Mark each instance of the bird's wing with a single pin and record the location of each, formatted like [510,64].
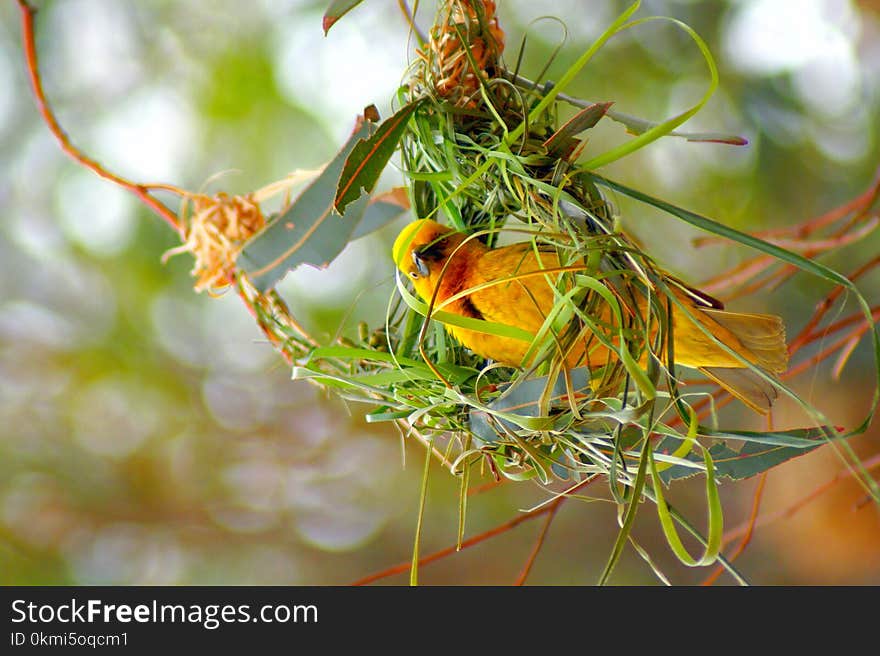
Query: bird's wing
[510,288]
[746,385]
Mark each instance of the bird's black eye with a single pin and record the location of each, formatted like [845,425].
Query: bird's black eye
[414,275]
[421,266]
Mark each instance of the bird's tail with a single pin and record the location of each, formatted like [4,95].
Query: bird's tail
[763,337]
[745,384]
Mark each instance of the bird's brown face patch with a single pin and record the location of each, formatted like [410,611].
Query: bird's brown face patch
[434,251]
[429,258]
[421,265]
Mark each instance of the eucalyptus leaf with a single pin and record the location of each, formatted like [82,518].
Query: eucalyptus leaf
[562,142]
[310,231]
[382,209]
[753,458]
[336,10]
[369,157]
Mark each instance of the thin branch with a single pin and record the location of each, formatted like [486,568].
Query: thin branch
[485,487]
[477,539]
[139,190]
[448,551]
[859,205]
[857,318]
[409,16]
[859,210]
[539,543]
[825,305]
[798,505]
[819,357]
[738,275]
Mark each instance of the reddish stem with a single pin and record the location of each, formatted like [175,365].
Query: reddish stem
[825,305]
[448,551]
[816,359]
[485,487]
[477,539]
[738,274]
[521,579]
[860,205]
[788,512]
[794,239]
[139,190]
[855,318]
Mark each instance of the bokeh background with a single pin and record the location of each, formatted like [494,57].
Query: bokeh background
[149,435]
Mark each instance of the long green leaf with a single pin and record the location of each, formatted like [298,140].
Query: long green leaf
[716,520]
[309,231]
[630,516]
[664,128]
[381,210]
[711,226]
[336,10]
[572,72]
[368,158]
[423,496]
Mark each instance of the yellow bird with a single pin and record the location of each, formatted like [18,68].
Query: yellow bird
[432,255]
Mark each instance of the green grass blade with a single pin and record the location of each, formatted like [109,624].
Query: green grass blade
[573,70]
[629,518]
[716,519]
[423,496]
[478,325]
[666,127]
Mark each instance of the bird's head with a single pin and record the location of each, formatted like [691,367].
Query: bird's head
[420,251]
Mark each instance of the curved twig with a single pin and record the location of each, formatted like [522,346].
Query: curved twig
[139,190]
[477,539]
[539,543]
